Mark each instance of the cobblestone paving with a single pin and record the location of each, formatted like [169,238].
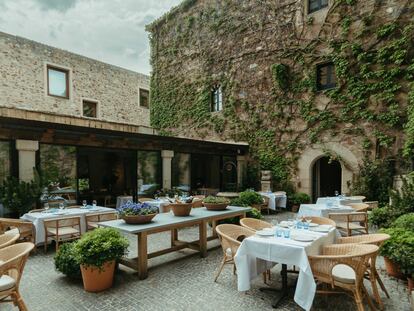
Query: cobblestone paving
[178,281]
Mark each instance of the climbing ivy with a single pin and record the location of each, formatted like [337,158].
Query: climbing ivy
[373,64]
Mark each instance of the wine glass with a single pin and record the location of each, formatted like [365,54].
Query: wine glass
[84,203]
[94,203]
[274,222]
[61,206]
[336,193]
[46,206]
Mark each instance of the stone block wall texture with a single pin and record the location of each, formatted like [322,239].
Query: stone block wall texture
[235,44]
[23,86]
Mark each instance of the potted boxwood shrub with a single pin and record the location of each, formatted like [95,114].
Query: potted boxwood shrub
[97,252]
[298,199]
[65,261]
[215,203]
[137,213]
[251,198]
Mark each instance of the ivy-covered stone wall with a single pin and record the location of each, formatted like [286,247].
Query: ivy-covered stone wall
[264,55]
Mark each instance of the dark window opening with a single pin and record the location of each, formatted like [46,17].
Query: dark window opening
[326,76]
[90,109]
[144,98]
[316,5]
[216,98]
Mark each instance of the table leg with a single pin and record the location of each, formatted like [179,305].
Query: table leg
[142,256]
[284,292]
[213,226]
[203,238]
[174,236]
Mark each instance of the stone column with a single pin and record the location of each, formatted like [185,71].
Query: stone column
[266,181]
[27,158]
[166,156]
[241,169]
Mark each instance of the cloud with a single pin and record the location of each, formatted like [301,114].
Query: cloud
[112,31]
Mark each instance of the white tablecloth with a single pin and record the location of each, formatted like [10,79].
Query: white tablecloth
[337,200]
[322,210]
[284,251]
[38,218]
[120,200]
[275,199]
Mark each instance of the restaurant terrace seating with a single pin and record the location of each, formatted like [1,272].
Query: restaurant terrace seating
[254,224]
[359,207]
[61,229]
[350,223]
[7,239]
[12,261]
[92,220]
[322,221]
[344,266]
[25,229]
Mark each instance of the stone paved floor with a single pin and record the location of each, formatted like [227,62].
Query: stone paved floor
[177,281]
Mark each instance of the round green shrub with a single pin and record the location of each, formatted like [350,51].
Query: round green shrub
[383,216]
[300,198]
[250,197]
[65,261]
[405,221]
[99,246]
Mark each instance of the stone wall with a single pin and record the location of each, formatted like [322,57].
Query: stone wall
[239,45]
[23,82]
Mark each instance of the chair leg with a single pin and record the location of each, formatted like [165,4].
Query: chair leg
[19,301]
[45,246]
[378,278]
[220,269]
[234,269]
[373,280]
[371,305]
[358,300]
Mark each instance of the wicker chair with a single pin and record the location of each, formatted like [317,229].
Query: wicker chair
[371,205]
[343,266]
[322,221]
[8,239]
[62,229]
[108,202]
[254,224]
[230,238]
[350,222]
[142,200]
[92,220]
[265,205]
[25,229]
[371,274]
[12,261]
[357,197]
[359,207]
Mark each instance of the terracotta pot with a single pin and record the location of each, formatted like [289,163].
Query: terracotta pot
[410,284]
[181,209]
[393,269]
[96,280]
[216,206]
[138,219]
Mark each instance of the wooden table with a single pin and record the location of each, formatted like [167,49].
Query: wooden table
[168,222]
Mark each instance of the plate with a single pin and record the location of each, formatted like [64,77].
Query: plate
[285,224]
[265,233]
[312,224]
[322,228]
[303,238]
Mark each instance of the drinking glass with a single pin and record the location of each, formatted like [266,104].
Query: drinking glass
[336,193]
[279,232]
[286,234]
[61,206]
[306,225]
[94,203]
[84,203]
[274,222]
[46,206]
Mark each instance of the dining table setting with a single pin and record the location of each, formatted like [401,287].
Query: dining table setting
[326,205]
[287,243]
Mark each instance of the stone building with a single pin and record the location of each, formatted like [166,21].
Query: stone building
[314,86]
[85,126]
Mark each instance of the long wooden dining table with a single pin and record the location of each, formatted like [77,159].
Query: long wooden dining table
[168,222]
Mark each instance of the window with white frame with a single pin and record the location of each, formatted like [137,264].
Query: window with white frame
[216,98]
[57,82]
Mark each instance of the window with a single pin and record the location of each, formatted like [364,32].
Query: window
[57,82]
[89,109]
[144,98]
[316,5]
[216,98]
[326,77]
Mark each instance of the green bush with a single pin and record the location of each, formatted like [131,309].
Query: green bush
[254,213]
[300,198]
[250,198]
[215,200]
[405,222]
[238,202]
[383,217]
[65,261]
[400,248]
[99,246]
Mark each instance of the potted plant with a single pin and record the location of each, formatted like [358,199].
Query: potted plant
[65,261]
[397,251]
[251,198]
[215,203]
[137,213]
[181,208]
[297,199]
[97,252]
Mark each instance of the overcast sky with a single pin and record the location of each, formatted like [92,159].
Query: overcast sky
[112,31]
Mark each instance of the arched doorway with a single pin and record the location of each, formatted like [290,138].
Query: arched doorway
[326,177]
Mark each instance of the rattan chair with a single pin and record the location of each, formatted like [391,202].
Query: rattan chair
[359,207]
[62,229]
[254,224]
[372,274]
[371,205]
[142,200]
[322,221]
[343,266]
[92,220]
[12,261]
[25,229]
[348,223]
[230,238]
[357,197]
[8,239]
[265,205]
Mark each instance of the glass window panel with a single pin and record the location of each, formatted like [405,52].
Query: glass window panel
[144,98]
[89,109]
[57,82]
[149,173]
[326,76]
[181,173]
[5,160]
